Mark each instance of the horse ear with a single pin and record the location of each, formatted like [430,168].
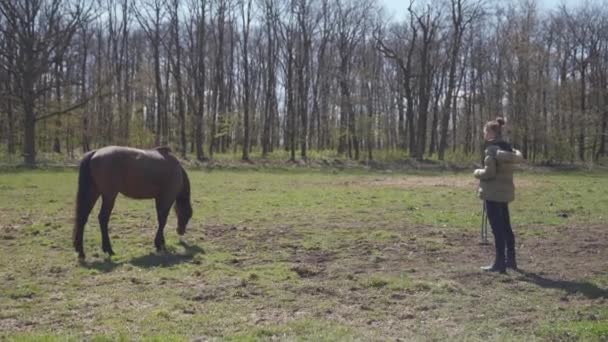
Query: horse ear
[164,150]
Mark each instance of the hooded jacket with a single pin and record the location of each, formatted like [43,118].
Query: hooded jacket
[496,178]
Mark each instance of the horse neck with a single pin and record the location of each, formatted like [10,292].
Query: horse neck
[184,194]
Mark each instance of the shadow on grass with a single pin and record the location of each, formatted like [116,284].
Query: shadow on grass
[167,259]
[587,289]
[105,266]
[164,259]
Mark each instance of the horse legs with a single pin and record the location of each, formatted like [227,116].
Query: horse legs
[162,212]
[104,217]
[82,219]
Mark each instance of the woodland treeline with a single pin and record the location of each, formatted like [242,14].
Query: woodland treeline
[218,76]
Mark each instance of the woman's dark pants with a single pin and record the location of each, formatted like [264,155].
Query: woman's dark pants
[498,214]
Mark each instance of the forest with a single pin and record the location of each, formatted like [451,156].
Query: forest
[253,77]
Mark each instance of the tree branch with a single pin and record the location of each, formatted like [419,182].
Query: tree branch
[69,109]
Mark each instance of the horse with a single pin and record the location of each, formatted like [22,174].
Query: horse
[137,174]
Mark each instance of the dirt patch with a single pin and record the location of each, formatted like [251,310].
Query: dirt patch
[424,278]
[316,290]
[425,182]
[313,256]
[441,283]
[310,263]
[573,253]
[306,271]
[220,230]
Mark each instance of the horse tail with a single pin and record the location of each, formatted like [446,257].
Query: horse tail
[83,201]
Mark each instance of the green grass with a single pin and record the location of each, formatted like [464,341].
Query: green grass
[309,329]
[588,325]
[299,254]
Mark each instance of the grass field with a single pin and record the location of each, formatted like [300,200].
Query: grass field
[307,255]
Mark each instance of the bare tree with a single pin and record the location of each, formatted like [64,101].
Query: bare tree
[150,15]
[428,23]
[175,58]
[322,78]
[6,87]
[400,36]
[198,72]
[350,20]
[43,31]
[270,99]
[218,101]
[287,32]
[462,14]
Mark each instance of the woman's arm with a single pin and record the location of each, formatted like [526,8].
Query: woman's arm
[489,170]
[509,157]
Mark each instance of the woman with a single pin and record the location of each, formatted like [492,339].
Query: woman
[496,188]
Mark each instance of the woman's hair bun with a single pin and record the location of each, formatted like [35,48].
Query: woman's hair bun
[501,121]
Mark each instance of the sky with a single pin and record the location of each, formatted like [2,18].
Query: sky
[396,8]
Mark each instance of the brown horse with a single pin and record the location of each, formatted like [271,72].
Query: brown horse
[136,174]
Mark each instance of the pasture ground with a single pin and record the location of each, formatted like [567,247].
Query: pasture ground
[307,255]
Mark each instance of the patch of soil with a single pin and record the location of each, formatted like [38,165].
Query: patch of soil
[573,253]
[313,256]
[306,271]
[220,230]
[316,290]
[557,270]
[415,182]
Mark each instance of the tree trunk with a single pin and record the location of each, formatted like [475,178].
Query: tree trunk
[8,87]
[303,74]
[160,139]
[582,119]
[246,20]
[270,85]
[291,113]
[345,108]
[218,92]
[437,94]
[401,132]
[177,75]
[423,102]
[445,117]
[29,130]
[199,133]
[604,115]
[370,121]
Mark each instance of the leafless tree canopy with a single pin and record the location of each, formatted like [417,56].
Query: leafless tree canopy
[259,76]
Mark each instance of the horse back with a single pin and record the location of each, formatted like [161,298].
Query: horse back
[137,173]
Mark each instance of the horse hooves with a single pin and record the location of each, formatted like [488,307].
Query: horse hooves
[108,250]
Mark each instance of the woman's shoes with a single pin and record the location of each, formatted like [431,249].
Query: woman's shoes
[495,268]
